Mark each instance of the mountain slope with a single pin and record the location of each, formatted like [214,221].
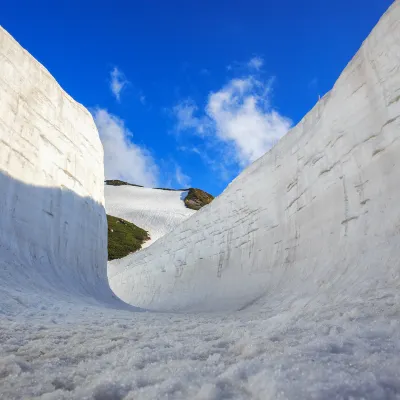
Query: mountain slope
[124,237]
[154,210]
[158,211]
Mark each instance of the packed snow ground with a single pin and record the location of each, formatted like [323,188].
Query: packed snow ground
[346,350]
[155,210]
[322,328]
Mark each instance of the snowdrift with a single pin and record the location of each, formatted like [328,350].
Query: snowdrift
[154,210]
[317,216]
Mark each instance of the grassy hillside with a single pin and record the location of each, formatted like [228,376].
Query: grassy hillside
[197,199]
[124,237]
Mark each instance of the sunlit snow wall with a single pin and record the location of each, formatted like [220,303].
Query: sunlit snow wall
[318,217]
[52,218]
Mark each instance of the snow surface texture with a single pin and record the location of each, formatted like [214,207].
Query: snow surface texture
[157,211]
[319,316]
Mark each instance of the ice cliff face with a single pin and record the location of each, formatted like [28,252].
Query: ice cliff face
[52,218]
[316,217]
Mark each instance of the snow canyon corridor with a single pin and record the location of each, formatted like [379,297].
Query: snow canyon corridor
[285,287]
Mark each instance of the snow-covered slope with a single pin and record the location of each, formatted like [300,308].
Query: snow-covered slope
[155,210]
[302,251]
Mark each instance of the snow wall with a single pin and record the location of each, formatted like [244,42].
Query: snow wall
[317,217]
[53,233]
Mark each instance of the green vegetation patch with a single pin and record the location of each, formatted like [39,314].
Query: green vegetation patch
[197,198]
[117,182]
[170,190]
[124,237]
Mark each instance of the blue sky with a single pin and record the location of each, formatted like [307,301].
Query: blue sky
[187,93]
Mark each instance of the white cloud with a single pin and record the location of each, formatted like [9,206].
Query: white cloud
[242,116]
[124,159]
[186,119]
[238,124]
[118,82]
[256,63]
[182,179]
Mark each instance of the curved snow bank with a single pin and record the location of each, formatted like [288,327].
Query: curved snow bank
[52,218]
[317,217]
[154,210]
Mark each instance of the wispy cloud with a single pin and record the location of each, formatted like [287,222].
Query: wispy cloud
[238,123]
[182,179]
[123,159]
[252,66]
[216,156]
[187,120]
[256,63]
[142,99]
[118,82]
